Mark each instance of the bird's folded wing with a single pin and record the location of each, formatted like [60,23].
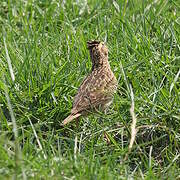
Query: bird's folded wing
[92,101]
[95,90]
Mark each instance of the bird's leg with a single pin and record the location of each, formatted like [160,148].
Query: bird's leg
[77,123]
[104,132]
[106,138]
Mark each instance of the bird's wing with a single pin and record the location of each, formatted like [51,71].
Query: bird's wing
[94,91]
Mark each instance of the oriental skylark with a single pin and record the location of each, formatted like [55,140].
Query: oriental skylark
[97,90]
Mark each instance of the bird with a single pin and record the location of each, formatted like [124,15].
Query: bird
[98,88]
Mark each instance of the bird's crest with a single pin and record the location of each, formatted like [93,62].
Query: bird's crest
[93,43]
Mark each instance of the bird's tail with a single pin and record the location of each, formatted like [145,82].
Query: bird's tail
[70,118]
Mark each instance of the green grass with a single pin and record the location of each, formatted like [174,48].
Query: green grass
[45,42]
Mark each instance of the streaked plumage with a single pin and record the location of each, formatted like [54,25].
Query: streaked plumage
[97,90]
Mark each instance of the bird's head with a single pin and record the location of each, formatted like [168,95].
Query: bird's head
[98,52]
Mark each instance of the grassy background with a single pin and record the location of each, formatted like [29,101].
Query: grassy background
[45,41]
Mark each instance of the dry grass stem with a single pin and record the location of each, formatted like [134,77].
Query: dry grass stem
[133,125]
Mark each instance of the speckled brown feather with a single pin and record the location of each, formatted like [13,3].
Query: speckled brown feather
[97,89]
